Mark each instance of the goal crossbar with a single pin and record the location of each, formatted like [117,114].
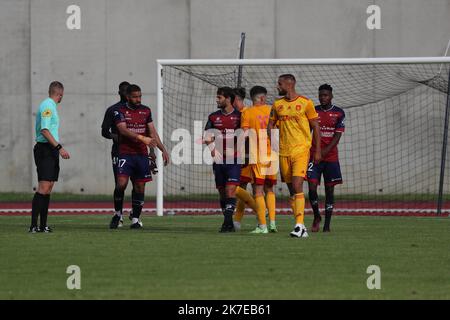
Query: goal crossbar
[225,62]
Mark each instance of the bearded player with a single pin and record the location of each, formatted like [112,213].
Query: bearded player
[220,138]
[295,116]
[136,132]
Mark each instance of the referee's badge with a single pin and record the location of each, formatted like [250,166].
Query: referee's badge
[47,113]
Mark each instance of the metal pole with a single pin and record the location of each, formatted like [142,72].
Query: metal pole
[241,56]
[159,159]
[444,150]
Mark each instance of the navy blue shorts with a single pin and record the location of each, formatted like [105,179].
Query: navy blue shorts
[331,173]
[136,167]
[226,174]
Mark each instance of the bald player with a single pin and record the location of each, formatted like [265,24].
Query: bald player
[295,116]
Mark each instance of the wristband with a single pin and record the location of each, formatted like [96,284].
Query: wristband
[58,147]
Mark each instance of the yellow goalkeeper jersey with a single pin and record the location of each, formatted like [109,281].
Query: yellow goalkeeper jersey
[293,121]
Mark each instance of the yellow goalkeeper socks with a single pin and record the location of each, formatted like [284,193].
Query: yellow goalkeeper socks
[261,210]
[240,208]
[270,203]
[247,198]
[299,205]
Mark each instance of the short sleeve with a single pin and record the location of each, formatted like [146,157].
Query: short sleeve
[118,116]
[46,117]
[209,124]
[340,125]
[310,111]
[149,118]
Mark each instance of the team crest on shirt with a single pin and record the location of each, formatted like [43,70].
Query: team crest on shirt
[47,113]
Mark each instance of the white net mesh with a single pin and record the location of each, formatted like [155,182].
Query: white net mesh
[390,154]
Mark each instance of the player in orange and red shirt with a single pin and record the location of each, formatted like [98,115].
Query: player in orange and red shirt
[331,122]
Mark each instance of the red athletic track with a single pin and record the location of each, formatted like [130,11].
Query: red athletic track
[358,208]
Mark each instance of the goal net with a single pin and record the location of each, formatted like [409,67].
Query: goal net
[391,153]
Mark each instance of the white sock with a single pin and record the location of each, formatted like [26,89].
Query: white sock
[135,220]
[300,225]
[118,213]
[263,226]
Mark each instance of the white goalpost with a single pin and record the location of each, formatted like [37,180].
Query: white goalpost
[386,166]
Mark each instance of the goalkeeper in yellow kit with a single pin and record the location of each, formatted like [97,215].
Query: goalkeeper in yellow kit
[295,116]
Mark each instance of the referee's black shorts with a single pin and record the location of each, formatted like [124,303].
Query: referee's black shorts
[46,159]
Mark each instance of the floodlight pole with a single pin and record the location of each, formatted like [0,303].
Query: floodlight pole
[444,150]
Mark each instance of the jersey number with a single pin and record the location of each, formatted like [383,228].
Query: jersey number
[122,162]
[263,121]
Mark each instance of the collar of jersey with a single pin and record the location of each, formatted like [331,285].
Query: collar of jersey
[291,99]
[227,114]
[332,106]
[53,102]
[131,108]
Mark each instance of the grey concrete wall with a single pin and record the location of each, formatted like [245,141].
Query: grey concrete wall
[15,115]
[121,40]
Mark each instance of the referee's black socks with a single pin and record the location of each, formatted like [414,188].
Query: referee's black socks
[39,206]
[44,212]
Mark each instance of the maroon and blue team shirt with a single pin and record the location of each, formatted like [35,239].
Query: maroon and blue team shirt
[137,120]
[330,121]
[224,122]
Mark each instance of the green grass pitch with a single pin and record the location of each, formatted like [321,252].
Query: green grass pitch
[184,257]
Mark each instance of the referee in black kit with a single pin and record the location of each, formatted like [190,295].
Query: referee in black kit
[46,155]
